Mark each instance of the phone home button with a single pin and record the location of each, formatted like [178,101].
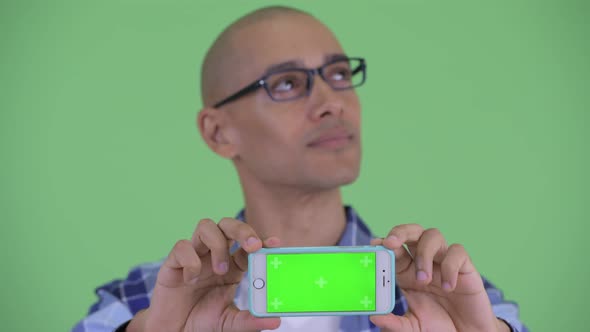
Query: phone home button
[258,283]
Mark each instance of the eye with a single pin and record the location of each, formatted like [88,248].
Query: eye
[284,85]
[340,74]
[287,82]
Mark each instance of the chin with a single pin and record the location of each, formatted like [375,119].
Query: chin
[349,179]
[336,171]
[337,179]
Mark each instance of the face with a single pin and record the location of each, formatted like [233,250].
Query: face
[311,143]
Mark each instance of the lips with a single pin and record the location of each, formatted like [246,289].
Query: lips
[332,138]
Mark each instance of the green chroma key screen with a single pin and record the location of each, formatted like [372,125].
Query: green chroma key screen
[320,282]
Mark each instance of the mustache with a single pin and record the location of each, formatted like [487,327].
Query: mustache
[329,125]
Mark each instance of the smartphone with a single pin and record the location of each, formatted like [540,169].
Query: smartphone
[317,281]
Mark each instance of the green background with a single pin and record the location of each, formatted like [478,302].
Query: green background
[293,282]
[475,122]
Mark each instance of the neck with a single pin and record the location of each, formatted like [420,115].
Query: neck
[296,217]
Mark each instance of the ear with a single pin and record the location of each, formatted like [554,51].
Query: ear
[214,129]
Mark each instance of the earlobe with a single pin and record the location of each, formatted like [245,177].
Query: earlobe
[212,126]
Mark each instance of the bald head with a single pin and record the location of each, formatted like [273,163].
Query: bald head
[274,143]
[227,55]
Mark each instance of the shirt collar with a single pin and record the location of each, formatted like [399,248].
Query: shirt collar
[356,233]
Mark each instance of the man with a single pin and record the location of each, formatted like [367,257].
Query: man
[279,102]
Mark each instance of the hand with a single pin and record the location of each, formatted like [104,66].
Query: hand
[196,284]
[443,289]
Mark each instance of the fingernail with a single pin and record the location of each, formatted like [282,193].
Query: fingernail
[251,241]
[222,267]
[446,286]
[393,238]
[194,280]
[421,275]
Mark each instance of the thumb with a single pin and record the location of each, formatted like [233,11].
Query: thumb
[392,323]
[243,320]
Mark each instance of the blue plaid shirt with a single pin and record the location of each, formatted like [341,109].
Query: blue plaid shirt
[119,300]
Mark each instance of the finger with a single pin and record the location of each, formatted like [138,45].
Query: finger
[392,323]
[208,237]
[200,247]
[404,234]
[240,231]
[245,321]
[395,240]
[240,257]
[432,243]
[403,259]
[376,241]
[456,261]
[272,242]
[182,258]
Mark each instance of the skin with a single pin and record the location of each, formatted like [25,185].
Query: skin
[289,188]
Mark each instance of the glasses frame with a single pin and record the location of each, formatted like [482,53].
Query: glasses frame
[261,82]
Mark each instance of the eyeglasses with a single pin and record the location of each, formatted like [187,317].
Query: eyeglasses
[294,83]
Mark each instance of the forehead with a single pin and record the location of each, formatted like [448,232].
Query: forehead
[266,43]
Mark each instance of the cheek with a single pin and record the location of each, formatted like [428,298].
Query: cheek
[268,141]
[270,155]
[269,127]
[353,116]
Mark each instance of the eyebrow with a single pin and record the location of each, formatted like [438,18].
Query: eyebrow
[284,65]
[334,57]
[291,64]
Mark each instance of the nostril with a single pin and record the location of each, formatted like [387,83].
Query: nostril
[325,113]
[323,108]
[331,111]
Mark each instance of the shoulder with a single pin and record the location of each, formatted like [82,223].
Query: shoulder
[134,291]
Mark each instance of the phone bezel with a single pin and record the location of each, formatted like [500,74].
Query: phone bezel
[385,295]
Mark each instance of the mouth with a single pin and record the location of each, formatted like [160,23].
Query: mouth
[332,139]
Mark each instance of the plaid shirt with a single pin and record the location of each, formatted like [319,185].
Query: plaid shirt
[120,300]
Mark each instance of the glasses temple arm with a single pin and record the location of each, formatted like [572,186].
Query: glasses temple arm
[252,87]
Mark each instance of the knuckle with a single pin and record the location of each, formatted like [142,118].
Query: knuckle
[457,247]
[415,225]
[226,222]
[235,229]
[181,245]
[399,229]
[407,229]
[438,239]
[205,223]
[433,232]
[213,239]
[396,228]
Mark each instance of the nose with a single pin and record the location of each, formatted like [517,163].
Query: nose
[324,101]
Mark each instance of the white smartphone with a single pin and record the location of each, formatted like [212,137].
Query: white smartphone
[316,281]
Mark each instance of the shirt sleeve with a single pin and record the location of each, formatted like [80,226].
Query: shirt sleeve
[105,315]
[505,310]
[119,300]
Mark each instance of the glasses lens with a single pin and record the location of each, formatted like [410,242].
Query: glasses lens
[287,85]
[344,74]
